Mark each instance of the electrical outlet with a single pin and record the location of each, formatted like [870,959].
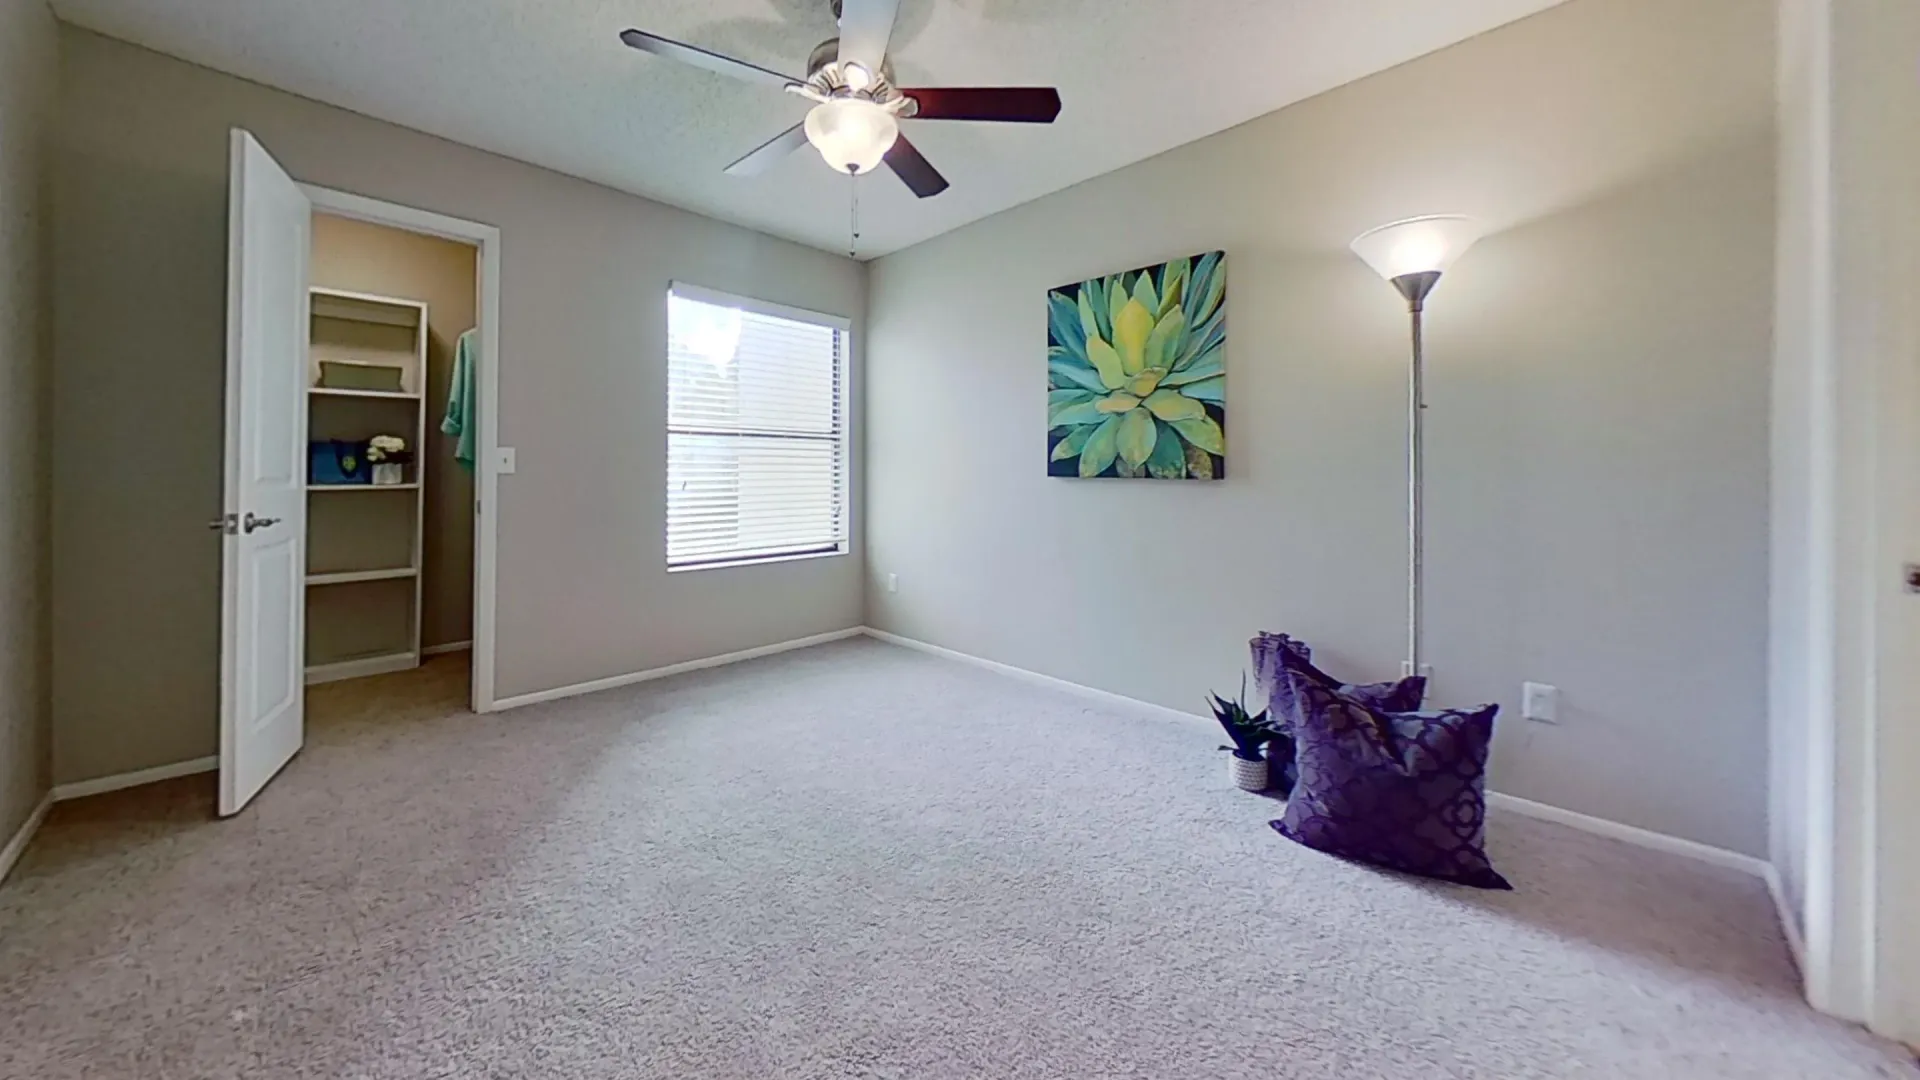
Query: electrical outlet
[1426,672]
[893,582]
[1541,702]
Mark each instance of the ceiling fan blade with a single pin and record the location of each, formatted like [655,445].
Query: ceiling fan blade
[703,59]
[1006,104]
[770,153]
[865,27]
[918,173]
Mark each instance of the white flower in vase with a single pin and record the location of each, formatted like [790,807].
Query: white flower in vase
[385,448]
[389,456]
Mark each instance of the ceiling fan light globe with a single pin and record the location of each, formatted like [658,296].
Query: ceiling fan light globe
[852,134]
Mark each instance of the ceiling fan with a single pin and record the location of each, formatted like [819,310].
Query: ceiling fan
[855,119]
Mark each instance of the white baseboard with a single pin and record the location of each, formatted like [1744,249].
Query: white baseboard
[102,784]
[18,844]
[355,669]
[616,681]
[1630,834]
[449,647]
[1627,833]
[1079,689]
[1789,923]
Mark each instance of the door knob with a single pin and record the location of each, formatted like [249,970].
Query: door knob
[251,523]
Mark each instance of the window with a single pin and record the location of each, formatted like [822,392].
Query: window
[756,431]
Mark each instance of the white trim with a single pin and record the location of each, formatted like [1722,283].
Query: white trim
[21,836]
[1627,833]
[449,647]
[759,560]
[486,539]
[615,681]
[1105,696]
[100,785]
[721,298]
[1789,926]
[366,665]
[1630,834]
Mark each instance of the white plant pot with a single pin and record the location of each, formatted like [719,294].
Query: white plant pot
[1247,775]
[389,474]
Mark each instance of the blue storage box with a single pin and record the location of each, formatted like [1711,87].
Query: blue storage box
[338,461]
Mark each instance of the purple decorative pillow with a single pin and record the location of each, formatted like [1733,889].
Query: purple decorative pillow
[1276,654]
[1405,791]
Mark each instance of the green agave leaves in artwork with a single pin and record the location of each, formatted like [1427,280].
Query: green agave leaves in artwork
[1134,361]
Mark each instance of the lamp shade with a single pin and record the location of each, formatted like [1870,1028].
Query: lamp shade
[1418,245]
[853,134]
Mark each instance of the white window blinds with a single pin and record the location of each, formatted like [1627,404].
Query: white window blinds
[756,431]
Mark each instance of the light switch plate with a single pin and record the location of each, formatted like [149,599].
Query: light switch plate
[1539,701]
[503,460]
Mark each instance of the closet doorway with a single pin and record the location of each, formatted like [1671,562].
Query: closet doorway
[398,567]
[347,363]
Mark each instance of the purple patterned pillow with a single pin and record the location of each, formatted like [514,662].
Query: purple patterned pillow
[1276,654]
[1405,791]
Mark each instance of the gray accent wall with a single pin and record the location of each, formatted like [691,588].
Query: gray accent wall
[1598,424]
[28,62]
[138,401]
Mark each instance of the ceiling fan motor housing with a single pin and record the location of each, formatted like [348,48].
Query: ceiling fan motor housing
[826,55]
[826,80]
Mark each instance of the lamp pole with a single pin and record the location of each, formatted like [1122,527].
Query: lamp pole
[1415,288]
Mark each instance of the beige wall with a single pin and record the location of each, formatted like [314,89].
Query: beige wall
[1598,430]
[362,257]
[583,588]
[28,56]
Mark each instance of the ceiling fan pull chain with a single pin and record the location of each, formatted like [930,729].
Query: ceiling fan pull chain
[853,225]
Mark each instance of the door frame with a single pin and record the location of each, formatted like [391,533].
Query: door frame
[486,459]
[1878,49]
[1843,667]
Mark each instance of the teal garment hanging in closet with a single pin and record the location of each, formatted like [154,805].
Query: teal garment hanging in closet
[461,405]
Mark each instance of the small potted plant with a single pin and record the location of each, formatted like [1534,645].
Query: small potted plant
[1246,767]
[389,456]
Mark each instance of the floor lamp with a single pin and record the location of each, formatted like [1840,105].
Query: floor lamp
[1411,255]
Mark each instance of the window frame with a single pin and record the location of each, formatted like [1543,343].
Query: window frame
[843,421]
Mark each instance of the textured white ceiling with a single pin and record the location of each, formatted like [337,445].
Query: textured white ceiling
[550,83]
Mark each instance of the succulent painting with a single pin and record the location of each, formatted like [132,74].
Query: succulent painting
[1136,373]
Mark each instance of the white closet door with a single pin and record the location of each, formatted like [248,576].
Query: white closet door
[263,566]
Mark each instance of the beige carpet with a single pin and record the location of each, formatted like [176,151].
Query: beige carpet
[854,861]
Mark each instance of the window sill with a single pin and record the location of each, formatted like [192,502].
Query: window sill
[758,560]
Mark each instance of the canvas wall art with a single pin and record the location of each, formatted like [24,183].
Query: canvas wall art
[1137,373]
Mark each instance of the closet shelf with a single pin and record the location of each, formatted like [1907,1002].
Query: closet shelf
[350,577]
[363,487]
[397,395]
[365,307]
